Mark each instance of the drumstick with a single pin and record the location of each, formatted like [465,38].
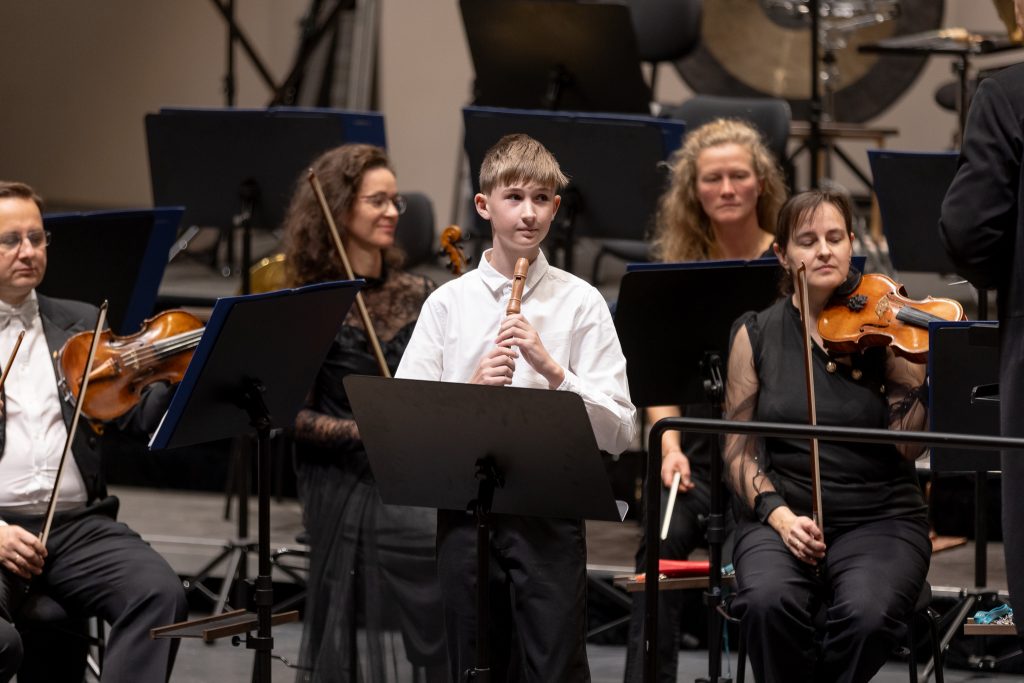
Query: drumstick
[671,504]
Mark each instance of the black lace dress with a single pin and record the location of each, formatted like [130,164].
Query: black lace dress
[372,566]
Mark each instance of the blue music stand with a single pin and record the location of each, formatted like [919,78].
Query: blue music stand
[613,162]
[250,373]
[129,246]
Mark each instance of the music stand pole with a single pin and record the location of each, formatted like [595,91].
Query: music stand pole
[263,594]
[229,74]
[490,477]
[814,140]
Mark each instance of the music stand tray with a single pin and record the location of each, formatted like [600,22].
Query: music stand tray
[132,246]
[251,372]
[602,200]
[506,450]
[578,57]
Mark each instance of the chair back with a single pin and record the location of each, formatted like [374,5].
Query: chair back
[415,233]
[666,30]
[771,116]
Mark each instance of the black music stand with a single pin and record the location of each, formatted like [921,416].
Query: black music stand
[602,200]
[910,187]
[551,469]
[678,357]
[577,57]
[251,373]
[963,367]
[239,167]
[130,246]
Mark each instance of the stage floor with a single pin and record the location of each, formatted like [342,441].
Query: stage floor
[189,529]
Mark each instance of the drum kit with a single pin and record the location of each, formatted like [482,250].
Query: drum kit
[763,48]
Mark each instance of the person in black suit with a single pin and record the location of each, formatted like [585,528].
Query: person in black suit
[982,227]
[92,564]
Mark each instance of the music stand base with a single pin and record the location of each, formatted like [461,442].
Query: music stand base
[233,554]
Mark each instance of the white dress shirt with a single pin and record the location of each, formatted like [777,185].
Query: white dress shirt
[35,429]
[459,323]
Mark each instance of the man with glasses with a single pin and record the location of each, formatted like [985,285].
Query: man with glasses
[92,565]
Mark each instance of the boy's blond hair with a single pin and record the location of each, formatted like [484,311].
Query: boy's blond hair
[517,159]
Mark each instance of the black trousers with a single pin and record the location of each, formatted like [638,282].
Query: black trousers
[98,566]
[538,596]
[868,585]
[686,532]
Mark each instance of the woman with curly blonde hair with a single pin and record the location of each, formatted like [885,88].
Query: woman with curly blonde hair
[725,195]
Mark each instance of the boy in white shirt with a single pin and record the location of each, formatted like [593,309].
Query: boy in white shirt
[563,339]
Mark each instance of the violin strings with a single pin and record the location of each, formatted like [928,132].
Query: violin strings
[162,349]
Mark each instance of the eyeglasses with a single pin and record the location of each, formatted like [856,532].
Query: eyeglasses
[380,202]
[11,241]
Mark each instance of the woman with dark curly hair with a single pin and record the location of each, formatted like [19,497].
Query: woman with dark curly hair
[366,557]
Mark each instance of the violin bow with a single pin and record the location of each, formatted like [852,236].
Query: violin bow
[318,190]
[51,508]
[812,411]
[10,361]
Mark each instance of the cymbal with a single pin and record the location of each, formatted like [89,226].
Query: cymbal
[748,50]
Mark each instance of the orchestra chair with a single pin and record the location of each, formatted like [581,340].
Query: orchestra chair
[771,116]
[921,613]
[415,234]
[666,30]
[41,620]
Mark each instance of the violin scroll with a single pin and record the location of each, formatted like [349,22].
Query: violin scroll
[451,247]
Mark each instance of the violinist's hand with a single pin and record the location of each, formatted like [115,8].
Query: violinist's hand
[672,462]
[21,552]
[800,534]
[517,331]
[496,367]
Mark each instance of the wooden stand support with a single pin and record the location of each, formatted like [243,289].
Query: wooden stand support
[220,625]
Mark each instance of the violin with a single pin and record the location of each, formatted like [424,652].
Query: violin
[124,366]
[451,246]
[878,312]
